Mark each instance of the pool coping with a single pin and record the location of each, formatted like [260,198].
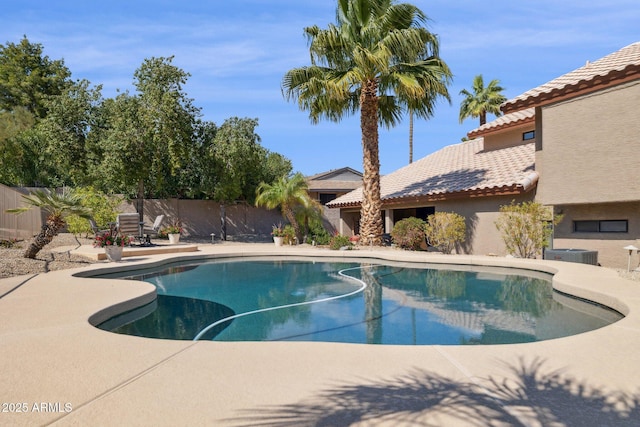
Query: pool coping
[70,373]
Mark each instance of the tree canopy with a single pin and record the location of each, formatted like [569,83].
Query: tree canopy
[150,142]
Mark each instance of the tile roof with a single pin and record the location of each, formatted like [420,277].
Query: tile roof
[507,120]
[333,185]
[619,65]
[339,180]
[457,169]
[334,172]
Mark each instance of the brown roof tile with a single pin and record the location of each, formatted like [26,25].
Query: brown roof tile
[618,66]
[456,169]
[508,120]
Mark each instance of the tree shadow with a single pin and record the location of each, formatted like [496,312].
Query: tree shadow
[451,182]
[531,395]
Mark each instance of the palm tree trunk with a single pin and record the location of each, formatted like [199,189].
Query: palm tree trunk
[291,217]
[223,222]
[410,136]
[370,212]
[48,231]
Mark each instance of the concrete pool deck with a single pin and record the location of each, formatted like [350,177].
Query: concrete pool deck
[57,369]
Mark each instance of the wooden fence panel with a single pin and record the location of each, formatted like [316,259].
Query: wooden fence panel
[21,226]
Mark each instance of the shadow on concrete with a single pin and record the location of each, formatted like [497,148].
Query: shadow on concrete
[530,395]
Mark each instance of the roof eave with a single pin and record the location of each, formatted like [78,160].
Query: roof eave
[477,133]
[583,87]
[507,190]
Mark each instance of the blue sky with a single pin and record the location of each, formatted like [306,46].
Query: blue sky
[237,52]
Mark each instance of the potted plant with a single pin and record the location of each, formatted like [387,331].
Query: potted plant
[278,234]
[112,242]
[173,232]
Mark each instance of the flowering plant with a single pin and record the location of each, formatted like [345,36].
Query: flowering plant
[277,231]
[172,229]
[111,238]
[175,228]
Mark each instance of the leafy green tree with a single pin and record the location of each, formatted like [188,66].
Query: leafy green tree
[274,165]
[524,228]
[198,176]
[376,49]
[482,100]
[13,152]
[66,128]
[445,230]
[103,207]
[151,134]
[28,82]
[236,155]
[28,78]
[57,206]
[122,157]
[286,193]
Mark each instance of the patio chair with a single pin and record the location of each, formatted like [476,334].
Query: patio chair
[94,227]
[128,224]
[155,228]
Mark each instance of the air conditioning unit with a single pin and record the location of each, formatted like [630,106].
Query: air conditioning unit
[583,256]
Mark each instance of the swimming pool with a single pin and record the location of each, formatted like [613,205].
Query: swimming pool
[356,301]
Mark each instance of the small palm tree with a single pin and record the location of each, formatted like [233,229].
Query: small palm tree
[308,215]
[57,207]
[483,100]
[286,193]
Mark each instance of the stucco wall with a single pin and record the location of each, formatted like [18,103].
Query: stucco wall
[202,217]
[590,148]
[507,138]
[608,245]
[481,215]
[483,238]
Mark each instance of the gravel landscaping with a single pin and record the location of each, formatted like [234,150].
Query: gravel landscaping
[54,256]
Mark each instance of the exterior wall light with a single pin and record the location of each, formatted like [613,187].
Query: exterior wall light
[630,248]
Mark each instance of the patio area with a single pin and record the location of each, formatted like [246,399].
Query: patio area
[57,369]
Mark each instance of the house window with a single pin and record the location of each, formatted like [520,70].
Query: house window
[526,136]
[327,197]
[603,226]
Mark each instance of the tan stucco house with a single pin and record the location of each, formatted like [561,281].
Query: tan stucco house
[326,186]
[572,143]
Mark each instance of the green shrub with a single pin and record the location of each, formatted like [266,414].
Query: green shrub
[320,234]
[104,210]
[408,233]
[289,235]
[525,228]
[445,230]
[339,241]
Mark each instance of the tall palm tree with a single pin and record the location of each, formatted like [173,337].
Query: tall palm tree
[57,206]
[377,59]
[483,100]
[286,193]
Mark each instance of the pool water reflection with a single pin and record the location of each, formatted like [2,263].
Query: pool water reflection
[401,303]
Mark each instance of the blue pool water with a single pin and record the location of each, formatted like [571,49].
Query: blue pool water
[356,302]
